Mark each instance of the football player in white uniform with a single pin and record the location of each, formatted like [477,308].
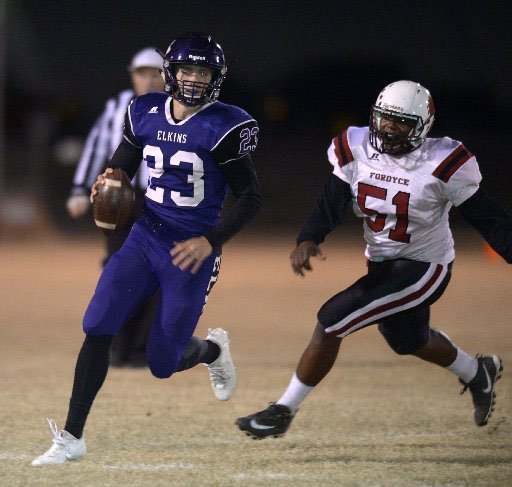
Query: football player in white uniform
[402,184]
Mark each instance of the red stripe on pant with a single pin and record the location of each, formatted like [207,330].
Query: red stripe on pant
[390,306]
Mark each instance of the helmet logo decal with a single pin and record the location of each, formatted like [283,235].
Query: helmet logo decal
[396,108]
[196,58]
[430,108]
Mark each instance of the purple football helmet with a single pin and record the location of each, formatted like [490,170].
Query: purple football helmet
[197,49]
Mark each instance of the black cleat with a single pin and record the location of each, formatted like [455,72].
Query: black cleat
[482,387]
[273,421]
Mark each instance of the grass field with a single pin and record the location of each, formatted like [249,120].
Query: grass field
[377,420]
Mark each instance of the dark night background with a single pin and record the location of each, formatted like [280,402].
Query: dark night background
[304,69]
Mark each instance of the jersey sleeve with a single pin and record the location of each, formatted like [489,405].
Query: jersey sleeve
[130,125]
[340,156]
[237,142]
[231,153]
[460,173]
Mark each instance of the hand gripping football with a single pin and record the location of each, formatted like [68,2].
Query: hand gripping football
[113,203]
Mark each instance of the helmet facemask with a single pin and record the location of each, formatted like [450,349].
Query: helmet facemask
[192,93]
[394,133]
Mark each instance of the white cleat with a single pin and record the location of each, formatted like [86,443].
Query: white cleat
[65,448]
[222,370]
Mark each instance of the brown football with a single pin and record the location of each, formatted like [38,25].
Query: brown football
[113,204]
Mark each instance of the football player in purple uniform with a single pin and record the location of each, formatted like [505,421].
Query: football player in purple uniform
[402,184]
[195,148]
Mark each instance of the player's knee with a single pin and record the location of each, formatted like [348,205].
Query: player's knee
[403,343]
[94,328]
[325,316]
[97,319]
[90,327]
[160,370]
[160,373]
[99,342]
[402,348]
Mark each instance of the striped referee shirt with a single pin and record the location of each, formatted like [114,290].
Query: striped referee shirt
[101,143]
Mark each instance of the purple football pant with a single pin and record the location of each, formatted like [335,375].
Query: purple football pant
[131,276]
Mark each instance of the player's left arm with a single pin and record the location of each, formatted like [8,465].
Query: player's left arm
[461,177]
[490,220]
[233,157]
[242,180]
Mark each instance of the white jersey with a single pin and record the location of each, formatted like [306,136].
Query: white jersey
[405,200]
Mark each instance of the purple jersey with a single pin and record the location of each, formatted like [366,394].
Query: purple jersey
[191,164]
[186,186]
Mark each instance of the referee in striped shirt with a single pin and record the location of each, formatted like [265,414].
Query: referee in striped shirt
[103,139]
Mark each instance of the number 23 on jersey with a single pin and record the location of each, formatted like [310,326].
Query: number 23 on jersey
[195,177]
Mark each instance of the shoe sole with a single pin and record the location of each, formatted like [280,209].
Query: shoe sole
[256,437]
[250,435]
[46,464]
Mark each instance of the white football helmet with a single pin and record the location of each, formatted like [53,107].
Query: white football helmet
[407,104]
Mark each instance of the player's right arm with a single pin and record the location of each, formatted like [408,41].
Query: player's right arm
[327,214]
[129,154]
[127,157]
[299,258]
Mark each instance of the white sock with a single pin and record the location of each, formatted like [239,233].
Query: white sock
[464,366]
[295,394]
